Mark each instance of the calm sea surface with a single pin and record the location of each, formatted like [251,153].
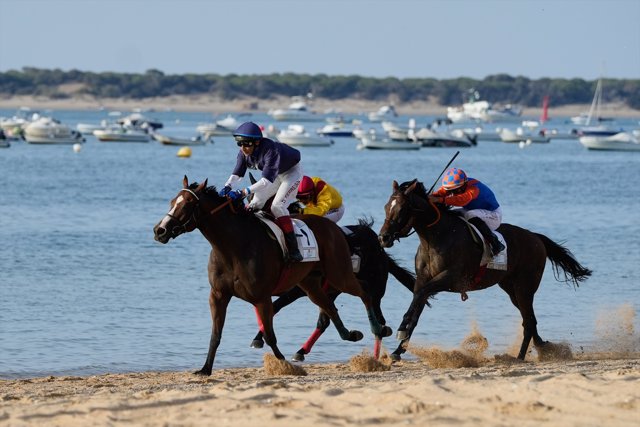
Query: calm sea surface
[84,288]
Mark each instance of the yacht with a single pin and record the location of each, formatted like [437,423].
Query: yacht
[296,112]
[622,141]
[121,134]
[47,130]
[296,135]
[384,113]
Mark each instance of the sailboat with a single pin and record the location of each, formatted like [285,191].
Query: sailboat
[590,128]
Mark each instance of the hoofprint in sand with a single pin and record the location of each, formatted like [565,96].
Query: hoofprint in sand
[585,390]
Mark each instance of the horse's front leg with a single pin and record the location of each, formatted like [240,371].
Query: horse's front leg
[218,303]
[421,294]
[265,311]
[281,302]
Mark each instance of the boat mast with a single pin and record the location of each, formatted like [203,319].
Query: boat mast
[595,104]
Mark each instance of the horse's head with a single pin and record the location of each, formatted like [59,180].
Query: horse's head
[183,210]
[407,199]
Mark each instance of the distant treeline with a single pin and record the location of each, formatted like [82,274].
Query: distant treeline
[499,88]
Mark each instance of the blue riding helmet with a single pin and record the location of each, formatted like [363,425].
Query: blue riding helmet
[248,130]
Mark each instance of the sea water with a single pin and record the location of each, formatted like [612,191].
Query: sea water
[85,289]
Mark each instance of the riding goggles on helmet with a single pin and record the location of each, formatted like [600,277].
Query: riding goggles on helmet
[245,141]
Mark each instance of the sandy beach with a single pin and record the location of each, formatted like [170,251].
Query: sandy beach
[214,105]
[589,390]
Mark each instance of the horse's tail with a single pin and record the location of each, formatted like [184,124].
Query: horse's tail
[562,259]
[402,275]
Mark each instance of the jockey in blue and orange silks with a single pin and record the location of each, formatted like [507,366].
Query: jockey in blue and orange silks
[281,175]
[477,202]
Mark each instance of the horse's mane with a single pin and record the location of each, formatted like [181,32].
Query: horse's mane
[422,192]
[212,192]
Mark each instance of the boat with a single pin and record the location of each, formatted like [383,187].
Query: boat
[89,128]
[455,138]
[297,111]
[47,130]
[371,141]
[335,130]
[477,110]
[121,134]
[397,132]
[590,128]
[384,113]
[222,127]
[137,120]
[622,141]
[520,134]
[178,140]
[296,135]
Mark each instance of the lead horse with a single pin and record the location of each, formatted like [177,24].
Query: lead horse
[448,259]
[247,263]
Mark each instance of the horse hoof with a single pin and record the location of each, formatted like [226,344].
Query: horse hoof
[402,335]
[395,357]
[355,336]
[202,372]
[386,332]
[257,344]
[298,357]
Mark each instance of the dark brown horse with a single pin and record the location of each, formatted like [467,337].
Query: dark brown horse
[375,266]
[448,259]
[245,262]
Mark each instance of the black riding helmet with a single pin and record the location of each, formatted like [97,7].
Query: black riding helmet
[248,132]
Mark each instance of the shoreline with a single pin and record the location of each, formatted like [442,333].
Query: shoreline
[581,391]
[203,103]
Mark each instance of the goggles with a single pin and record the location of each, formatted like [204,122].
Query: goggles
[243,141]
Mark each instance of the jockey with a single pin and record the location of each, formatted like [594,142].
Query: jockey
[477,201]
[320,198]
[281,174]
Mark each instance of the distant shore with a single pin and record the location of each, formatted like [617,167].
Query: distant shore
[214,105]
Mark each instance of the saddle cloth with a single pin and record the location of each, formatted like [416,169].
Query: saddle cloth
[498,262]
[307,243]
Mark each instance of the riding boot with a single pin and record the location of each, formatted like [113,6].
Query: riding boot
[489,236]
[290,238]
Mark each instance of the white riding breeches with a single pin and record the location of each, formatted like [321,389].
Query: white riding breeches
[284,187]
[335,215]
[492,218]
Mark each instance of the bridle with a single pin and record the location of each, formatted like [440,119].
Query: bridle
[182,226]
[404,231]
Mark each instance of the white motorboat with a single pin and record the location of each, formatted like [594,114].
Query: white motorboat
[179,140]
[454,138]
[371,141]
[137,120]
[478,110]
[623,141]
[296,112]
[121,134]
[47,130]
[221,127]
[520,134]
[384,113]
[296,135]
[335,130]
[89,128]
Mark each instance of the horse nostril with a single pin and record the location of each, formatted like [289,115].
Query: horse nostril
[160,231]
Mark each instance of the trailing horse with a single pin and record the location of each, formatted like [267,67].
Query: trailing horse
[245,262]
[375,266]
[448,259]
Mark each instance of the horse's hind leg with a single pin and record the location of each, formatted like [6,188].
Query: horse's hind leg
[522,298]
[281,302]
[321,326]
[311,285]
[265,311]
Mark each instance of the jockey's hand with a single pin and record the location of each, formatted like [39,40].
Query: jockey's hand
[295,208]
[225,190]
[235,195]
[436,199]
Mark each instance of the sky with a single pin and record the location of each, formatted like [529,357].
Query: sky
[439,39]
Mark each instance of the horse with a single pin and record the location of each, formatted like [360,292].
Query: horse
[375,266]
[247,263]
[448,259]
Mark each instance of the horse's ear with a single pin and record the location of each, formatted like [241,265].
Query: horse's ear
[395,185]
[185,182]
[202,186]
[411,187]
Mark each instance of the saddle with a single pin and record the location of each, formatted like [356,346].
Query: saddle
[497,262]
[307,243]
